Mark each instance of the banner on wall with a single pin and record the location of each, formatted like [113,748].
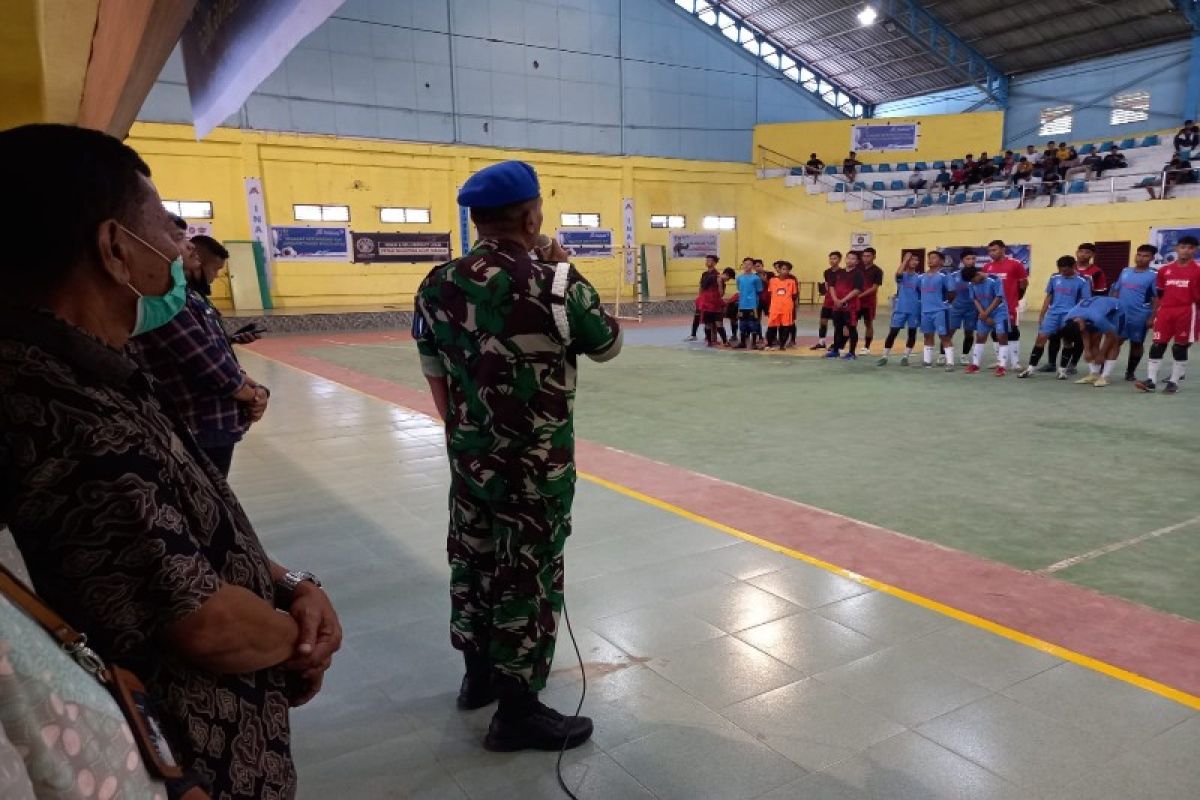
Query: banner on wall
[199,229]
[229,48]
[860,240]
[695,245]
[290,243]
[1165,240]
[464,228]
[1021,252]
[627,241]
[590,243]
[256,213]
[877,136]
[407,248]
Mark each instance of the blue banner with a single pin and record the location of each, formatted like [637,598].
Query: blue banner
[464,229]
[310,244]
[1165,240]
[587,244]
[873,137]
[1021,252]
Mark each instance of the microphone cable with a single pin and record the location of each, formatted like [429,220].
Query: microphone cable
[578,710]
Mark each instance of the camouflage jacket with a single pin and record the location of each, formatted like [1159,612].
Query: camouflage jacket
[484,322]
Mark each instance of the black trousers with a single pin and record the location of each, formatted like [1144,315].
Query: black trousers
[221,455]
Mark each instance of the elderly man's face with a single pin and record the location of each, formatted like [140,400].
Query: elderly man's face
[191,256]
[148,262]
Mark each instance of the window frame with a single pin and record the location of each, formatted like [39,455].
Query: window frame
[1050,124]
[717,222]
[405,212]
[666,222]
[1134,114]
[179,204]
[322,208]
[579,219]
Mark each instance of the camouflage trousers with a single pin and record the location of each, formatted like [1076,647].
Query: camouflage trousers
[506,581]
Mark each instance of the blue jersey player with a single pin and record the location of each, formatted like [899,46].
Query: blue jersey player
[936,290]
[1135,290]
[963,315]
[906,310]
[1063,292]
[1099,321]
[992,317]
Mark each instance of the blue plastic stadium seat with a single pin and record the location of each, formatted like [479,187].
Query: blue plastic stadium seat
[1150,141]
[858,186]
[1104,148]
[920,166]
[939,165]
[897,185]
[995,194]
[796,171]
[976,197]
[839,187]
[956,163]
[927,201]
[866,169]
[831,170]
[941,199]
[1128,143]
[885,167]
[877,204]
[1087,148]
[998,160]
[957,200]
[878,186]
[1077,187]
[1149,180]
[1014,193]
[912,202]
[902,166]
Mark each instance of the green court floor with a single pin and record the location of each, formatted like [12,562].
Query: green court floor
[1027,472]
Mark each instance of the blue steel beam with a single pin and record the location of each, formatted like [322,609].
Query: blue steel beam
[941,43]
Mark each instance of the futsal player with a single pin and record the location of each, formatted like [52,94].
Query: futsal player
[906,310]
[934,287]
[835,261]
[847,285]
[869,300]
[789,335]
[1015,279]
[1099,321]
[963,314]
[1063,292]
[991,312]
[1135,289]
[1174,315]
[782,313]
[710,265]
[749,286]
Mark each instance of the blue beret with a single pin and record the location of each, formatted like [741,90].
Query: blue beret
[500,185]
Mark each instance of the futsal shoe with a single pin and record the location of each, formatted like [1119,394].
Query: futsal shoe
[1046,368]
[1130,377]
[926,365]
[1170,387]
[882,362]
[541,728]
[1072,371]
[740,346]
[1062,375]
[849,357]
[904,361]
[950,366]
[1025,373]
[832,354]
[964,360]
[941,360]
[972,369]
[689,338]
[1089,378]
[818,346]
[1100,382]
[1145,386]
[1001,372]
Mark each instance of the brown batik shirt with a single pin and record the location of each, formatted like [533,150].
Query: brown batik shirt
[125,528]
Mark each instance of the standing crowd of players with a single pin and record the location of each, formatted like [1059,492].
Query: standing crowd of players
[1082,317]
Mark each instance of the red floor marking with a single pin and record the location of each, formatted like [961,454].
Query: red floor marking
[1150,643]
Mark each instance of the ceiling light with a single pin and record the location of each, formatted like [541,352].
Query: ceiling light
[867,16]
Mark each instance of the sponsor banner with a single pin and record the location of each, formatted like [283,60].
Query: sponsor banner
[256,212]
[1021,252]
[590,243]
[409,248]
[695,245]
[873,137]
[290,243]
[860,240]
[627,241]
[1165,240]
[199,229]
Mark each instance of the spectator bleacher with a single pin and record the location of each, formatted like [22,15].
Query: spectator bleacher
[877,199]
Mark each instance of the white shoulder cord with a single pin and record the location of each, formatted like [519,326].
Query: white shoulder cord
[558,301]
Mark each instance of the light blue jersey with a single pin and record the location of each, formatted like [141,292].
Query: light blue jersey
[749,288]
[908,298]
[984,292]
[1100,314]
[1067,292]
[933,287]
[1135,290]
[963,303]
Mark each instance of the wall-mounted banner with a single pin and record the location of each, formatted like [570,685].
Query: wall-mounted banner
[229,48]
[464,228]
[1165,240]
[407,248]
[199,229]
[695,245]
[860,240]
[872,137]
[310,244]
[590,243]
[256,212]
[627,240]
[1021,252]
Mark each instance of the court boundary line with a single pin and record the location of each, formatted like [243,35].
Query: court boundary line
[1066,654]
[1092,555]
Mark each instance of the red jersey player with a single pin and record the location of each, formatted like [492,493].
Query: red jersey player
[1173,315]
[827,279]
[1015,279]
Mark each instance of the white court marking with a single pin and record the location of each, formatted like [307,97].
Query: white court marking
[1115,546]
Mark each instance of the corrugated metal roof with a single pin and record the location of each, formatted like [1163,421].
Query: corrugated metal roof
[880,63]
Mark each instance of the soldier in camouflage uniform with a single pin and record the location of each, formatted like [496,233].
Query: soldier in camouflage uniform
[502,371]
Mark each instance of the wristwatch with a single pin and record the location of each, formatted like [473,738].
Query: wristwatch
[288,583]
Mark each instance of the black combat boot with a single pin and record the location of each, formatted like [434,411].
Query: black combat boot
[523,723]
[478,686]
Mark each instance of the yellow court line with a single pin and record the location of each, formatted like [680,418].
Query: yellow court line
[1171,693]
[1149,685]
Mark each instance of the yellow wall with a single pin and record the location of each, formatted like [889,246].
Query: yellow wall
[943,137]
[366,175]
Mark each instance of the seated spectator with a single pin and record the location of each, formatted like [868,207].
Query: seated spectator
[1113,159]
[1178,171]
[942,181]
[1051,180]
[1187,139]
[1090,167]
[850,166]
[1008,165]
[1063,154]
[1050,153]
[814,167]
[986,171]
[916,182]
[1031,153]
[126,528]
[958,178]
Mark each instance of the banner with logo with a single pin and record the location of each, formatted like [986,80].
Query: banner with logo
[590,243]
[627,241]
[695,245]
[877,136]
[408,248]
[256,214]
[1165,240]
[310,244]
[1021,252]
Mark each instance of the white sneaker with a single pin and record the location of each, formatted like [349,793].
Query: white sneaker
[1062,374]
[964,360]
[941,360]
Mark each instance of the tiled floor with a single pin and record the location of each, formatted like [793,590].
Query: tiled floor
[717,669]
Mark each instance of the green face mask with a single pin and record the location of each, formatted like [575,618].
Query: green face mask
[154,312]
